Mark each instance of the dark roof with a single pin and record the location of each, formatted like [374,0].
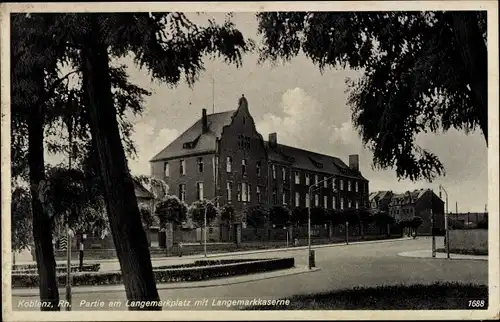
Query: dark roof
[312,161]
[141,191]
[377,195]
[193,141]
[408,197]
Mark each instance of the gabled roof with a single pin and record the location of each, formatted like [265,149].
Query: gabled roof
[377,195]
[141,191]
[311,161]
[408,196]
[193,141]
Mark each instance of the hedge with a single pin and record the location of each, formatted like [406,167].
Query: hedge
[200,263]
[168,275]
[60,269]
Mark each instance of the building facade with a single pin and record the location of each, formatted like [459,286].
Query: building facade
[222,155]
[423,203]
[380,200]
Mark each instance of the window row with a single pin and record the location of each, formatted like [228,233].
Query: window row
[285,200]
[244,166]
[182,167]
[243,192]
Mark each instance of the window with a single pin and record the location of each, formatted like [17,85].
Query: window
[308,200]
[244,167]
[283,173]
[308,179]
[325,201]
[297,199]
[325,183]
[238,196]
[333,202]
[166,169]
[316,179]
[182,192]
[348,185]
[200,165]
[244,192]
[258,167]
[183,167]
[257,192]
[341,203]
[357,204]
[229,191]
[283,196]
[316,200]
[341,184]
[275,196]
[334,184]
[249,192]
[229,164]
[199,190]
[297,177]
[356,186]
[349,204]
[274,171]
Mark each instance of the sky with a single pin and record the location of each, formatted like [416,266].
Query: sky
[307,109]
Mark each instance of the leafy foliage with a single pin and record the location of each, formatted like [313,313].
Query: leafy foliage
[279,216]
[319,216]
[257,216]
[423,71]
[21,220]
[197,212]
[171,210]
[382,219]
[300,215]
[227,214]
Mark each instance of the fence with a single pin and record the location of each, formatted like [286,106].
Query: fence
[476,220]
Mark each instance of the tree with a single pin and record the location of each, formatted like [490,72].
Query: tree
[383,220]
[21,220]
[256,217]
[227,216]
[171,210]
[422,71]
[299,216]
[201,210]
[40,99]
[169,46]
[279,216]
[319,216]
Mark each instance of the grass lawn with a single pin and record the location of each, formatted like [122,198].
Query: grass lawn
[437,296]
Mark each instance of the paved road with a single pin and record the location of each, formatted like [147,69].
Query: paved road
[341,267]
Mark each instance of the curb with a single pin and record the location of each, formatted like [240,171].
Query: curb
[183,285]
[469,257]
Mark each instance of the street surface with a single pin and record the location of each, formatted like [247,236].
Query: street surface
[341,267]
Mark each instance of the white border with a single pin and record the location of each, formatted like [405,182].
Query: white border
[493,163]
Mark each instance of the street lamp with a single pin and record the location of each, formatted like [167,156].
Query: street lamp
[309,218]
[447,235]
[205,228]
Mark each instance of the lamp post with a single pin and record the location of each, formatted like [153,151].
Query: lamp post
[446,228]
[205,228]
[310,264]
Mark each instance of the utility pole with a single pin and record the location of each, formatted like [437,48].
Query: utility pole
[432,227]
[447,235]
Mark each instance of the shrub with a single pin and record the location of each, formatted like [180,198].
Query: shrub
[28,268]
[483,224]
[220,268]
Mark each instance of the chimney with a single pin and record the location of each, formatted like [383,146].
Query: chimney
[354,162]
[204,121]
[273,140]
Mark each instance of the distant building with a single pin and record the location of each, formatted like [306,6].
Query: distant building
[380,200]
[223,155]
[419,203]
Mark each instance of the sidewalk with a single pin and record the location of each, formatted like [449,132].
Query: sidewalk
[113,264]
[427,253]
[29,292]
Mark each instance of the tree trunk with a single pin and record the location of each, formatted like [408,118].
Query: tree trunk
[474,54]
[42,234]
[121,203]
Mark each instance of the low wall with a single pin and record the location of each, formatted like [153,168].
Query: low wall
[469,240]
